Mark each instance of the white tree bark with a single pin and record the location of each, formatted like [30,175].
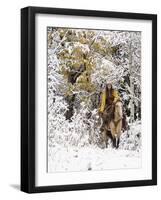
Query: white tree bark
[131,84]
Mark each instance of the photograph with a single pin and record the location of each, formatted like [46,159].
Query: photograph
[94,92]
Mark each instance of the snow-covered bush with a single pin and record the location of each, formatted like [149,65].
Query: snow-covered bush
[80,131]
[131,139]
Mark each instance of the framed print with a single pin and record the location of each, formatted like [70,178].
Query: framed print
[88,99]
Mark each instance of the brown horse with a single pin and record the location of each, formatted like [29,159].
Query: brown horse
[112,128]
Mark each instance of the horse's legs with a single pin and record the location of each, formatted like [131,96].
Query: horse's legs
[105,138]
[117,143]
[118,130]
[106,143]
[113,133]
[114,142]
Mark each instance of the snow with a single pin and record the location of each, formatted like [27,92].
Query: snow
[69,158]
[89,158]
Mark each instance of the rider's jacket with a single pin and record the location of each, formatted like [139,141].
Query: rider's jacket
[104,99]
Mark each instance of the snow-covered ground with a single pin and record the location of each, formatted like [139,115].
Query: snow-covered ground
[72,158]
[88,158]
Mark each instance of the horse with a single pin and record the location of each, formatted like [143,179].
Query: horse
[113,128]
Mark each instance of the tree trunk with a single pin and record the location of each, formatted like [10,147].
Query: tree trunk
[70,99]
[131,86]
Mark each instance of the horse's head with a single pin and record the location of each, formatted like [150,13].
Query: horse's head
[118,114]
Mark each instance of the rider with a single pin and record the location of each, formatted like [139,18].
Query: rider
[108,97]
